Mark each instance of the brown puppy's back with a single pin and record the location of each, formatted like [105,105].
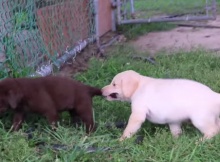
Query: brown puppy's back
[50,95]
[58,88]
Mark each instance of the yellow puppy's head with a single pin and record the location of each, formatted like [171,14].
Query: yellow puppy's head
[122,86]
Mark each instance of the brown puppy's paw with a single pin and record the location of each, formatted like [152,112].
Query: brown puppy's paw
[54,126]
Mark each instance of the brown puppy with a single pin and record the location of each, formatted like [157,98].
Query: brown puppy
[48,96]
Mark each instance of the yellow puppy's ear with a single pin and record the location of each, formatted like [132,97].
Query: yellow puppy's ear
[129,85]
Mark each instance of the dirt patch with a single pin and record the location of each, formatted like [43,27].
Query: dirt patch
[185,38]
[80,62]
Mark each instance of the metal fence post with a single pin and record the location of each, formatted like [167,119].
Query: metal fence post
[119,11]
[214,9]
[114,6]
[96,12]
[132,8]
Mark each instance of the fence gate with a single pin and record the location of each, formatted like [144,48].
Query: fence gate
[146,11]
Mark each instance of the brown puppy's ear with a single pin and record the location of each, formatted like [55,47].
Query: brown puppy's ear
[13,98]
[129,85]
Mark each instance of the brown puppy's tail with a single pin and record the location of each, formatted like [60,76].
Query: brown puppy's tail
[93,91]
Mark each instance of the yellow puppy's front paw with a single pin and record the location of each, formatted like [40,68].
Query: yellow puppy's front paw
[200,141]
[122,138]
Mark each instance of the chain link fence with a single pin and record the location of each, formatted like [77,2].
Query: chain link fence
[35,32]
[146,11]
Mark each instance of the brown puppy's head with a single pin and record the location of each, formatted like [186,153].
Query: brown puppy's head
[122,86]
[9,94]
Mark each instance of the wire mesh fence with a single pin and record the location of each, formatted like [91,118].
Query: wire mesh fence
[169,10]
[33,32]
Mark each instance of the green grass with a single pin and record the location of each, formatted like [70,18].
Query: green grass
[152,8]
[132,31]
[158,144]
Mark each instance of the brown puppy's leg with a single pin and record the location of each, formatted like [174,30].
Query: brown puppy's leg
[52,117]
[75,117]
[49,110]
[86,114]
[17,121]
[88,120]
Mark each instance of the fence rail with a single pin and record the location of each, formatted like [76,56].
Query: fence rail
[147,11]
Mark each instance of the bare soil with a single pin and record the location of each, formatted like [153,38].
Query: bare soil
[80,63]
[185,38]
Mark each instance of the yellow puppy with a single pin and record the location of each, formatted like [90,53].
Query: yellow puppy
[166,101]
